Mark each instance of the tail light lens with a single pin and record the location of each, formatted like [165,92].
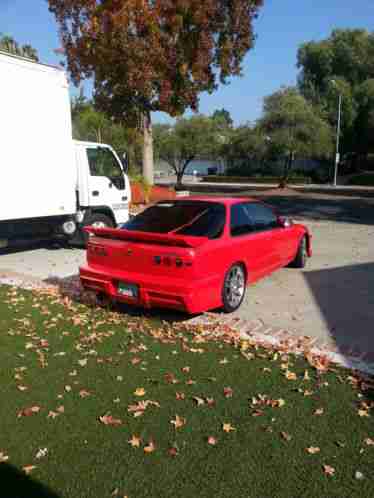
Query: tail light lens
[170,261]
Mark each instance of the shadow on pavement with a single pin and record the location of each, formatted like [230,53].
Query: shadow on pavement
[326,208]
[345,296]
[16,484]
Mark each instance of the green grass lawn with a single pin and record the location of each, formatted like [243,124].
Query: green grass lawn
[75,364]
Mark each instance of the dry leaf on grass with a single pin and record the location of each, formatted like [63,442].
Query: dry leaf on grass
[199,401]
[180,396]
[3,457]
[84,394]
[290,375]
[178,422]
[28,468]
[109,420]
[228,392]
[328,470]
[212,440]
[134,441]
[150,448]
[228,427]
[27,412]
[369,441]
[319,411]
[286,436]
[312,450]
[140,391]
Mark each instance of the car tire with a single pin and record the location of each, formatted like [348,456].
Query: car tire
[97,220]
[234,288]
[301,255]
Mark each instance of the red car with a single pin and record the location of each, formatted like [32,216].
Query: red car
[192,254]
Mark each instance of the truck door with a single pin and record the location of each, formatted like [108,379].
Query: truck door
[107,183]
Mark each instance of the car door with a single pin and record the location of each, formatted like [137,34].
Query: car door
[248,244]
[107,182]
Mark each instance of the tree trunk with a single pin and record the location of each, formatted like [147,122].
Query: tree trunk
[147,149]
[287,170]
[179,178]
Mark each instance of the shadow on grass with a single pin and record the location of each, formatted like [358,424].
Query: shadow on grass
[345,296]
[16,484]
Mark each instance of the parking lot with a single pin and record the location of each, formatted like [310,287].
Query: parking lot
[332,299]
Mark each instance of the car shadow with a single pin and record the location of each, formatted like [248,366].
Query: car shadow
[345,296]
[16,484]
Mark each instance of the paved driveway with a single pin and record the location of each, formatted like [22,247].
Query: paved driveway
[332,299]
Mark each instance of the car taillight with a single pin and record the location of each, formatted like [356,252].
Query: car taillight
[97,250]
[171,261]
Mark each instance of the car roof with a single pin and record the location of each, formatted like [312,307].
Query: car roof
[222,200]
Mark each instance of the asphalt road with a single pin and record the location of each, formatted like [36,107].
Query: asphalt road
[332,299]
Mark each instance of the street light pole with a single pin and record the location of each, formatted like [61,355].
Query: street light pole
[337,155]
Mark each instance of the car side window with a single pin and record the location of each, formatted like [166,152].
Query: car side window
[240,222]
[262,217]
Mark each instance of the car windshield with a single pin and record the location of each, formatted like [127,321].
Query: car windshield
[196,218]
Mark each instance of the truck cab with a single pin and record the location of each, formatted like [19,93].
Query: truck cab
[103,188]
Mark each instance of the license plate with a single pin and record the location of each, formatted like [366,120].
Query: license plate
[128,290]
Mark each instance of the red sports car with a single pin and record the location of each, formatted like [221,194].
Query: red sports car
[192,254]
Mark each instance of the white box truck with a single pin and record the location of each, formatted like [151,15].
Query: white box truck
[50,184]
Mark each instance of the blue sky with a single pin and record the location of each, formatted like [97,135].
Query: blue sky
[281,27]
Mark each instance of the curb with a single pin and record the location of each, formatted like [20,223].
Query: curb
[258,333]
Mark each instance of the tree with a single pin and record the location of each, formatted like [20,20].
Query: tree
[154,55]
[8,44]
[188,139]
[223,118]
[346,57]
[294,129]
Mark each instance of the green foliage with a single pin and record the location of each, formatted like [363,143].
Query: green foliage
[190,138]
[223,119]
[342,64]
[366,179]
[9,44]
[294,128]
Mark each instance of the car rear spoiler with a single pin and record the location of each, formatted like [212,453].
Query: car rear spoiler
[147,237]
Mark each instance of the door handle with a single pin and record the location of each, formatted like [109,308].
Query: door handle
[95,193]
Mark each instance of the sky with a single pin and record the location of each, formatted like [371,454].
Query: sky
[280,28]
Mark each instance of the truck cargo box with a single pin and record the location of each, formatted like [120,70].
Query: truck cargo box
[37,164]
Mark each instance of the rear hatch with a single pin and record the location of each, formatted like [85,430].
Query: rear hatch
[118,250]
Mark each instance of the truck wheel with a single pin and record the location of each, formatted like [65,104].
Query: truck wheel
[234,287]
[97,220]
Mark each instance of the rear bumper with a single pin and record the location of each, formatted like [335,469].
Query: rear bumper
[178,294]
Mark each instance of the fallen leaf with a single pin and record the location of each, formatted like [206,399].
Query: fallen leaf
[340,444]
[212,440]
[27,412]
[313,450]
[173,451]
[140,391]
[3,457]
[306,375]
[359,475]
[68,389]
[266,370]
[150,448]
[199,401]
[83,362]
[290,375]
[180,396]
[257,413]
[22,388]
[170,378]
[42,452]
[119,378]
[109,420]
[52,414]
[191,382]
[136,360]
[84,394]
[28,468]
[319,411]
[286,436]
[186,369]
[224,361]
[228,392]
[328,470]
[280,403]
[369,441]
[135,441]
[228,427]
[210,401]
[178,422]
[60,409]
[363,413]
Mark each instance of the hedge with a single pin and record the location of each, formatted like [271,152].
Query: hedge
[365,180]
[264,179]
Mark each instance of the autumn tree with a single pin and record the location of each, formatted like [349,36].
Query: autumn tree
[154,55]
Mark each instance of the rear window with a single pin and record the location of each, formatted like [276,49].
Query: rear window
[200,219]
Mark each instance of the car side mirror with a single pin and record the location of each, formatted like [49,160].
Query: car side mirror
[125,163]
[285,222]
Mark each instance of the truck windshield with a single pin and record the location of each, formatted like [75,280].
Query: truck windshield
[195,218]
